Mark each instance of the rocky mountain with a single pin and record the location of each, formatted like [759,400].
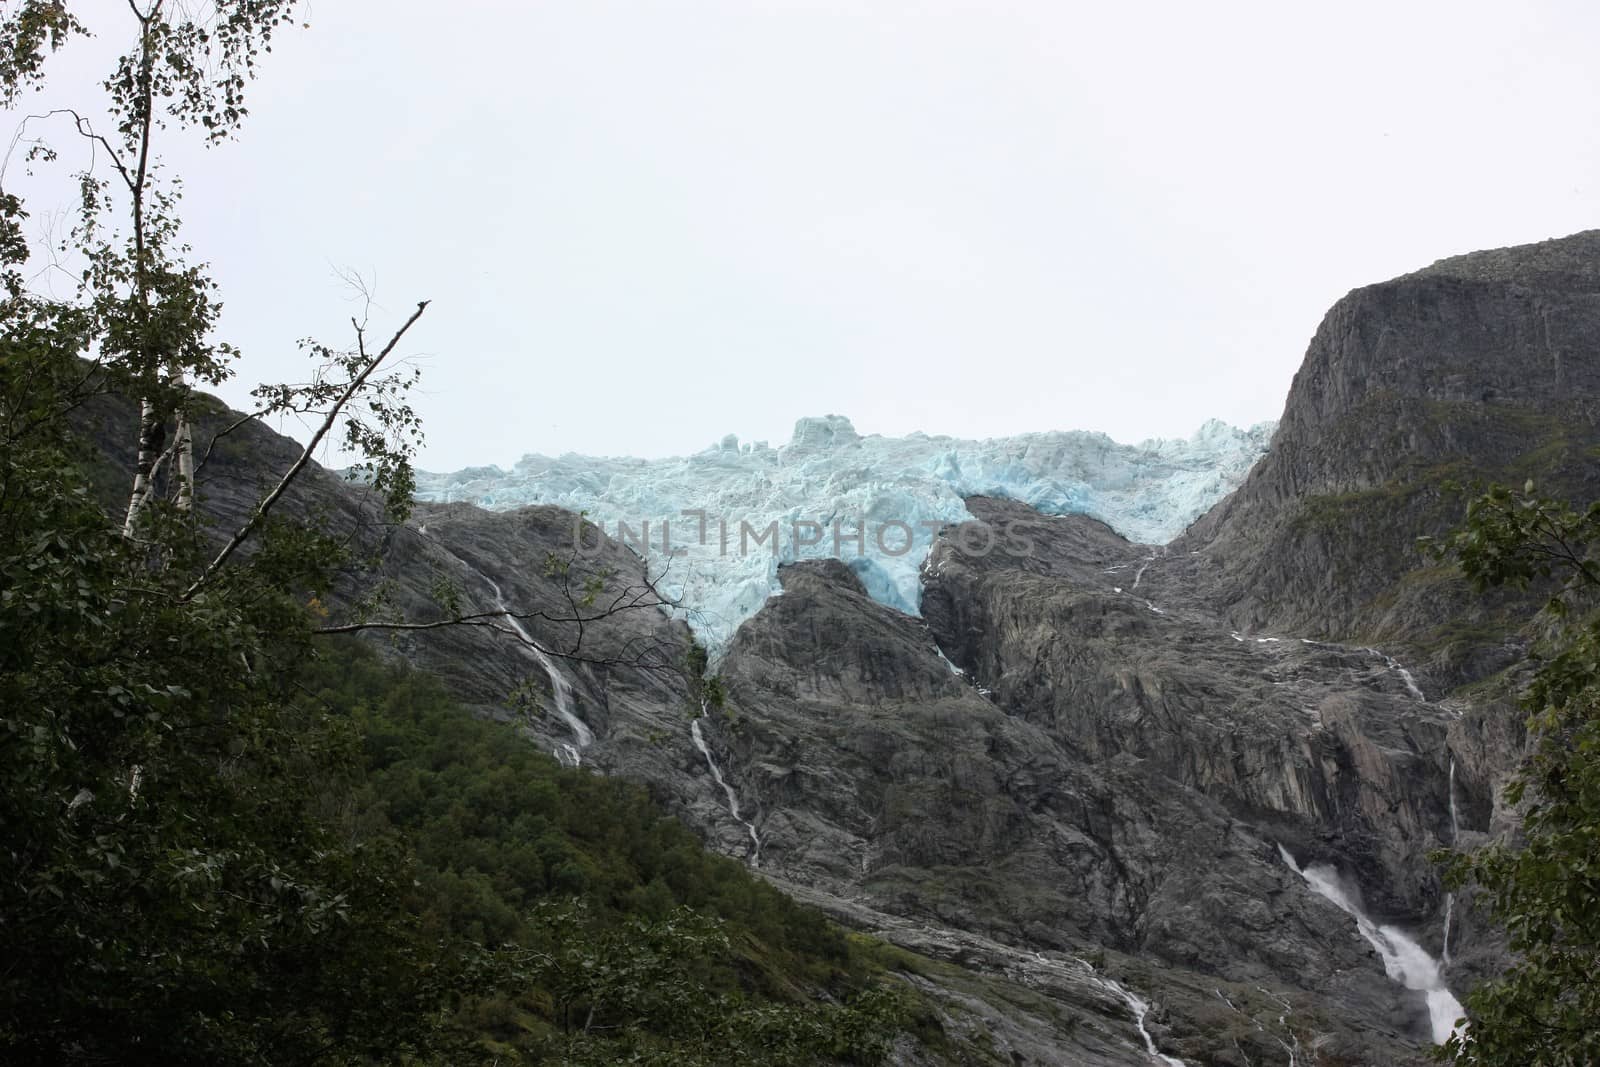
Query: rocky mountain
[1480,367]
[1122,803]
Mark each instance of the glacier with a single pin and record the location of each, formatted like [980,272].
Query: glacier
[716,525]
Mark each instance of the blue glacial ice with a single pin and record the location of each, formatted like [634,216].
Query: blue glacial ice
[710,516]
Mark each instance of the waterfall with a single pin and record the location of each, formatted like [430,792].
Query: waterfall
[1455,826]
[733,798]
[1404,961]
[1455,829]
[1405,676]
[1139,1007]
[568,753]
[1455,839]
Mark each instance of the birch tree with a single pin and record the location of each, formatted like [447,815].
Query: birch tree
[173,889]
[184,74]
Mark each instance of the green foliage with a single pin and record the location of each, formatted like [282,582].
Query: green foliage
[30,32]
[705,690]
[176,887]
[628,939]
[1541,1012]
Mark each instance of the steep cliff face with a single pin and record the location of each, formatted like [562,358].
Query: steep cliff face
[1105,772]
[623,680]
[1167,717]
[1481,367]
[1270,727]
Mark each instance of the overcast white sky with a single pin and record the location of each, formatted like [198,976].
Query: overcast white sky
[644,225]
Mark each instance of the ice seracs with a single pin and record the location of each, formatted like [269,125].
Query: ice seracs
[719,522]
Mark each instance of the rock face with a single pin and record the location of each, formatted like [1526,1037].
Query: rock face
[1137,729]
[1479,367]
[623,680]
[1104,771]
[1087,779]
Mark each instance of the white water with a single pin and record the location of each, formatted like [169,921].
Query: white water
[1455,838]
[1138,575]
[1283,1020]
[733,798]
[582,737]
[1455,826]
[1404,961]
[1455,829]
[1405,676]
[1389,661]
[1140,1008]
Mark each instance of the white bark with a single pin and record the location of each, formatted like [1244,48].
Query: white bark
[183,461]
[144,473]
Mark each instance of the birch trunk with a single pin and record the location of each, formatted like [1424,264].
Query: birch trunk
[150,426]
[183,461]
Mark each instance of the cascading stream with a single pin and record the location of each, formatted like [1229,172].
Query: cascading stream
[1404,961]
[1139,1007]
[1455,826]
[1138,575]
[733,798]
[1455,840]
[568,753]
[1405,676]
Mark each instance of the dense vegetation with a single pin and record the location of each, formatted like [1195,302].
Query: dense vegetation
[578,871]
[176,888]
[1543,1011]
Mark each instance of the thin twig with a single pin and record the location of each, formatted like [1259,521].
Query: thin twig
[299,465]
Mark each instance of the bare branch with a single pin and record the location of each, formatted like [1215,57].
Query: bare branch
[299,465]
[85,129]
[225,431]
